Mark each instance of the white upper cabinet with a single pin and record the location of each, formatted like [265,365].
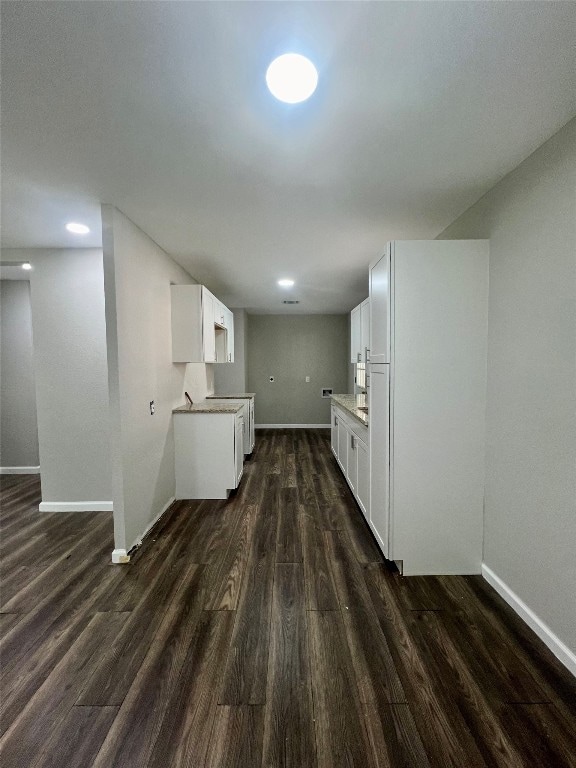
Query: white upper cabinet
[380,309]
[229,325]
[355,333]
[199,330]
[360,332]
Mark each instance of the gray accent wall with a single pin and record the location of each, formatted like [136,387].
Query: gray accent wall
[230,378]
[530,503]
[138,275]
[291,347]
[18,422]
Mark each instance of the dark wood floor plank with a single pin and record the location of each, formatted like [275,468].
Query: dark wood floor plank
[7,621]
[394,737]
[227,579]
[236,740]
[77,741]
[289,739]
[288,543]
[507,628]
[110,683]
[341,734]
[444,732]
[246,668]
[25,739]
[179,647]
[540,734]
[23,680]
[331,660]
[184,737]
[289,479]
[320,590]
[66,569]
[78,586]
[452,674]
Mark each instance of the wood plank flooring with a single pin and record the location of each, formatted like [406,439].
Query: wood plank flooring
[264,631]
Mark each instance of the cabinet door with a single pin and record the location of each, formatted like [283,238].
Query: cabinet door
[219,313]
[365,328]
[380,455]
[352,466]
[208,335]
[380,309]
[334,431]
[229,318]
[342,454]
[355,334]
[239,448]
[363,478]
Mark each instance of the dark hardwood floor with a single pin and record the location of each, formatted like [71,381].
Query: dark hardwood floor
[264,630]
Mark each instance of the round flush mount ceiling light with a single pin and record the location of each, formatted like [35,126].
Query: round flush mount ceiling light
[286,283]
[292,78]
[77,229]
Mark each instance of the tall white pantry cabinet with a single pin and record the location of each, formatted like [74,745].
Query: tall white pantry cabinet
[427,401]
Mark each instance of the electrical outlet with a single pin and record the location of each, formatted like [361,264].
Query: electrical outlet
[307,379]
[152,408]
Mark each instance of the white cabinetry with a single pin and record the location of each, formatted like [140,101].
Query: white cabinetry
[247,404]
[360,332]
[202,327]
[209,453]
[427,399]
[349,441]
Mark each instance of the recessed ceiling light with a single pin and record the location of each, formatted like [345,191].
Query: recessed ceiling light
[26,265]
[286,283]
[292,78]
[77,229]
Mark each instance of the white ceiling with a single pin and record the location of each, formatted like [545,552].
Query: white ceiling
[161,109]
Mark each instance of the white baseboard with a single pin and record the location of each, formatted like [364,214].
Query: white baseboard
[19,470]
[291,426]
[558,648]
[76,506]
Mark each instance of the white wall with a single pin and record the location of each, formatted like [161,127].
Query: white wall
[18,425]
[530,507]
[67,300]
[138,274]
[230,378]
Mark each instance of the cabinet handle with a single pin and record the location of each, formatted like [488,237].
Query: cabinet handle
[352,442]
[366,355]
[359,357]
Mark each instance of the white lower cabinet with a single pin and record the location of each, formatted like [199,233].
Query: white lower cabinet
[349,441]
[248,414]
[209,454]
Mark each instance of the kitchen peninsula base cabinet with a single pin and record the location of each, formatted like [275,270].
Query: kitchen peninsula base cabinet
[209,450]
[246,399]
[349,440]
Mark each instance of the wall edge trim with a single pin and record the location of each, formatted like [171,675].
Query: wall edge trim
[19,470]
[120,556]
[551,640]
[76,506]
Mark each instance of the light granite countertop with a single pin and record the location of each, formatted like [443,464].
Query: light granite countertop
[350,403]
[205,406]
[241,396]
